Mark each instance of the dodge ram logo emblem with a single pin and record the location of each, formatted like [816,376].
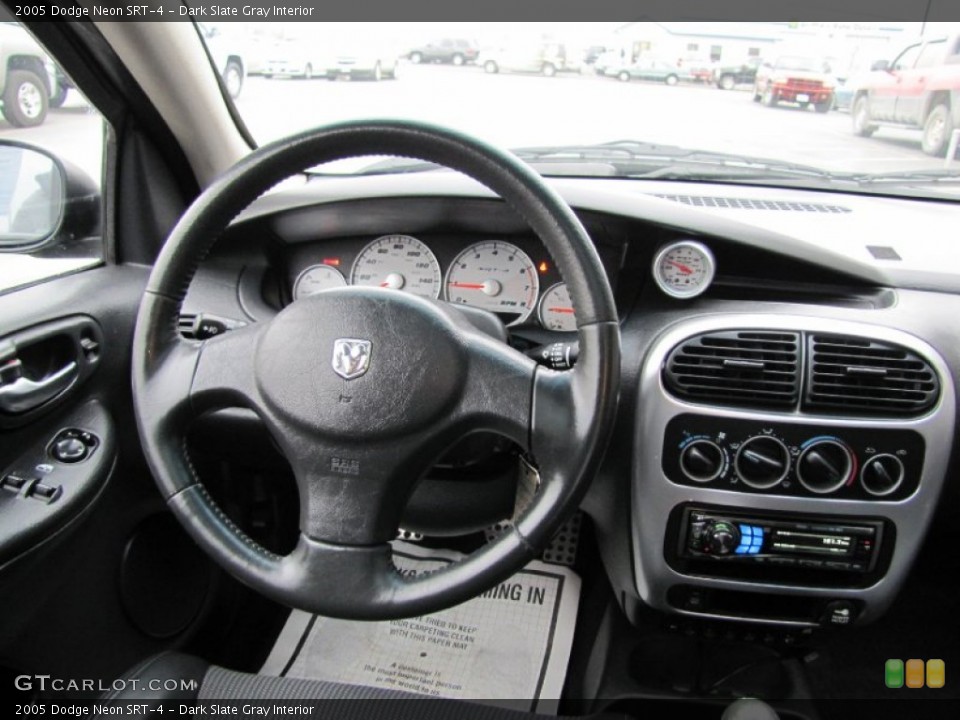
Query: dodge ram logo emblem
[351,358]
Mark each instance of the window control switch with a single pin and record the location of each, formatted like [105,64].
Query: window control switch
[47,493]
[14,482]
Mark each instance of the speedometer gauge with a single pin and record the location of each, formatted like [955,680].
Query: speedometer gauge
[316,278]
[684,269]
[496,276]
[556,309]
[398,262]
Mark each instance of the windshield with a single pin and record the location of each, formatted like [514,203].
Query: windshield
[564,92]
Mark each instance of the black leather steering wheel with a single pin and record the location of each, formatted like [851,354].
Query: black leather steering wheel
[423,376]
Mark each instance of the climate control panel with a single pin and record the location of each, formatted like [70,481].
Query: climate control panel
[793,459]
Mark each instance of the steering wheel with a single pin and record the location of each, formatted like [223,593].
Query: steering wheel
[363,389]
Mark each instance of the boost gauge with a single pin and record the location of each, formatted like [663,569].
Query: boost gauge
[684,269]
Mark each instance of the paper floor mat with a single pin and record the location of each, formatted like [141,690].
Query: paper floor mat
[510,645]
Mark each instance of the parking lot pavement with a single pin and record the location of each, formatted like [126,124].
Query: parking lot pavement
[526,110]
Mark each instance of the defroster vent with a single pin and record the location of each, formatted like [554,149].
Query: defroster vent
[852,373]
[737,367]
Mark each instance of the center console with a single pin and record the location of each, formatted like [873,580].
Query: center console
[786,474]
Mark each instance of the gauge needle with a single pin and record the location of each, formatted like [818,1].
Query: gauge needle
[488,287]
[566,310]
[685,269]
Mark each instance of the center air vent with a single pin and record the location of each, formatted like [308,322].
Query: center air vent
[737,367]
[852,373]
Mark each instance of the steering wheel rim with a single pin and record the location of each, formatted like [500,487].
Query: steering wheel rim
[340,450]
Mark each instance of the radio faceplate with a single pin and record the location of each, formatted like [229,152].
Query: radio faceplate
[778,547]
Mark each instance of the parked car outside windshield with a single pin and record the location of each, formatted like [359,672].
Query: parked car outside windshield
[529,86]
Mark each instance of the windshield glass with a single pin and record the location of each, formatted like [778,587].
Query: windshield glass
[659,91]
[805,64]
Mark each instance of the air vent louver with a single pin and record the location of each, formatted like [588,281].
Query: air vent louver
[852,373]
[739,367]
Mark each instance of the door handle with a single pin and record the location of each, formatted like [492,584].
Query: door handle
[24,394]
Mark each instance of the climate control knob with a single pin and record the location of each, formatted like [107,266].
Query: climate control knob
[824,466]
[762,462]
[720,537]
[882,474]
[702,461]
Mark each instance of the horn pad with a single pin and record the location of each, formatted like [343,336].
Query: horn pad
[361,362]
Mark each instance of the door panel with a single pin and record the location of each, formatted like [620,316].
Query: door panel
[63,552]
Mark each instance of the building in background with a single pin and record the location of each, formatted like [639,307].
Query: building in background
[848,46]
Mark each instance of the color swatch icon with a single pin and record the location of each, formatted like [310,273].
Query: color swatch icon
[936,673]
[893,673]
[914,673]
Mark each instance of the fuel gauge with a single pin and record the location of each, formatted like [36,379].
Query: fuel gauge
[684,269]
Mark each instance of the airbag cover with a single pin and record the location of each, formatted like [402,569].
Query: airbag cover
[413,371]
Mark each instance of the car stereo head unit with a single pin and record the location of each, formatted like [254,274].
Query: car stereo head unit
[789,541]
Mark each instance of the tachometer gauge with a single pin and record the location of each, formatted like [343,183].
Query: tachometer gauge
[316,278]
[556,309]
[398,262]
[684,269]
[496,276]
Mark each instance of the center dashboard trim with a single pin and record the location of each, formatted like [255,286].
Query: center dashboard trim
[654,497]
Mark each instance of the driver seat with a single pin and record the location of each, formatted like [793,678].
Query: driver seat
[167,678]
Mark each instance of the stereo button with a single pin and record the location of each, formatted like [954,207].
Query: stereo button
[721,537]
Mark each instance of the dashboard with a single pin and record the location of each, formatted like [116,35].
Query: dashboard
[787,420]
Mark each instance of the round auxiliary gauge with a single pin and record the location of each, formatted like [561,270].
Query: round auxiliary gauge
[556,309]
[496,276]
[398,262]
[316,278]
[684,269]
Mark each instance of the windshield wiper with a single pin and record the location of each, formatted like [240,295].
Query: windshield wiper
[945,176]
[656,161]
[637,159]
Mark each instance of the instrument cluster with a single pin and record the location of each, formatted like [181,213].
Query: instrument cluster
[516,280]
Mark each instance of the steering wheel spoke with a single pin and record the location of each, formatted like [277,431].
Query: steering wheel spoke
[354,494]
[498,390]
[224,375]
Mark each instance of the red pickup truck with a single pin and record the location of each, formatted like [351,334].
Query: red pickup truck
[919,89]
[795,79]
